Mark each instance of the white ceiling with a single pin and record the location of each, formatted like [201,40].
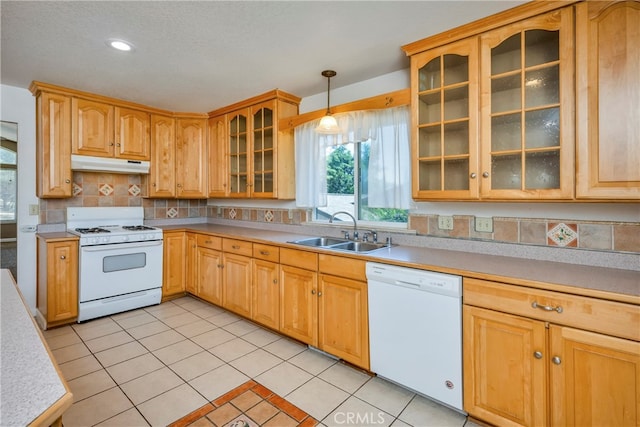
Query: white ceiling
[197,56]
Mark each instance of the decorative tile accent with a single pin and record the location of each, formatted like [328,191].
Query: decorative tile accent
[134,190]
[105,189]
[268,216]
[248,405]
[77,189]
[561,234]
[232,213]
[172,213]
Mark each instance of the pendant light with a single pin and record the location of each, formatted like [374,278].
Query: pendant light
[328,124]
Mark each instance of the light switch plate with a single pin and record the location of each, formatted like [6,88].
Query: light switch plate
[34,209]
[484,225]
[445,222]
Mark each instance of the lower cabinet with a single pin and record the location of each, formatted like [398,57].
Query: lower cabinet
[531,360]
[265,304]
[174,264]
[236,294]
[57,280]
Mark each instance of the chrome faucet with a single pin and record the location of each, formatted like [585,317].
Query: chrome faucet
[355,225]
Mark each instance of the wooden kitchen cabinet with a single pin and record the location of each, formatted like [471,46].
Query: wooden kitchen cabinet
[265,285]
[162,167]
[191,158]
[209,278]
[608,89]
[217,149]
[191,264]
[534,357]
[298,289]
[259,160]
[237,295]
[53,144]
[493,112]
[174,264]
[104,130]
[57,280]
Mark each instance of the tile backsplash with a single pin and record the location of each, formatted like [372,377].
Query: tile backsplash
[103,189]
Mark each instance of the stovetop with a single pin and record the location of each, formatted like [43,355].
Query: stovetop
[106,225]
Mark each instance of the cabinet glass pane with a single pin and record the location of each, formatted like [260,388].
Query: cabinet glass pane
[506,172]
[456,138]
[263,183]
[429,173]
[263,161]
[542,170]
[456,69]
[506,56]
[429,108]
[456,173]
[238,163]
[542,86]
[429,75]
[505,93]
[542,128]
[456,103]
[267,141]
[541,46]
[506,132]
[429,141]
[238,125]
[238,183]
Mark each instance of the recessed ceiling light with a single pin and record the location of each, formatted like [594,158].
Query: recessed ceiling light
[120,45]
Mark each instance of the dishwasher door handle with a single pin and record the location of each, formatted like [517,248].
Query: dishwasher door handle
[403,283]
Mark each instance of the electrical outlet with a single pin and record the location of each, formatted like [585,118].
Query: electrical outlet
[484,225]
[445,222]
[34,210]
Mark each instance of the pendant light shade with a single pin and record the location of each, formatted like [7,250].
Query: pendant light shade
[328,124]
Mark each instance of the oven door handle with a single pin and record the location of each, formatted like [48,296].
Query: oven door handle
[109,247]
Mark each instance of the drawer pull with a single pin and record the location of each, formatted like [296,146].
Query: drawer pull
[265,253]
[546,307]
[208,241]
[537,355]
[236,247]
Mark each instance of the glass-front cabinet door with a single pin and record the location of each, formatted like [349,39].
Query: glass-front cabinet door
[263,150]
[238,153]
[527,131]
[445,91]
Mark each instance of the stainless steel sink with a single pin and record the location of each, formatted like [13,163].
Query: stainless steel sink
[339,244]
[319,242]
[358,246]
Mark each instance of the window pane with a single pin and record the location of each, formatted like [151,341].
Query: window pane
[8,194]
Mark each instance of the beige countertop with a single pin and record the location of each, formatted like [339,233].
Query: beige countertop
[609,283]
[33,391]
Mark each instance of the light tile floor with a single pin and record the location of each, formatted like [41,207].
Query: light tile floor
[154,365]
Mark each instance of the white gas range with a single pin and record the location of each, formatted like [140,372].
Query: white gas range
[120,265]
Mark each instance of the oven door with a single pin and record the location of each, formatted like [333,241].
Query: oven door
[117,269]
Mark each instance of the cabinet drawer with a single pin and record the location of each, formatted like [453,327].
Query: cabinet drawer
[302,259]
[239,247]
[211,242]
[609,317]
[266,252]
[344,267]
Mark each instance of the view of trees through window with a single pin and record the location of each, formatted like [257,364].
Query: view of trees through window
[348,187]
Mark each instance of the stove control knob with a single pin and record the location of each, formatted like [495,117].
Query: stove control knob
[125,238]
[93,240]
[105,240]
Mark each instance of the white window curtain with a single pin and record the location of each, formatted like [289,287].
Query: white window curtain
[389,163]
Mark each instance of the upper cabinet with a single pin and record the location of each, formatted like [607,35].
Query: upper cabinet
[162,167]
[254,160]
[493,113]
[191,158]
[104,130]
[53,148]
[608,129]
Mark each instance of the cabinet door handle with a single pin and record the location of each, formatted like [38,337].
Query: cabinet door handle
[473,175]
[485,174]
[111,144]
[275,281]
[67,181]
[313,291]
[537,354]
[546,307]
[556,360]
[319,294]
[63,257]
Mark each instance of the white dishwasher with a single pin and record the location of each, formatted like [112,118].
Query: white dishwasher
[415,330]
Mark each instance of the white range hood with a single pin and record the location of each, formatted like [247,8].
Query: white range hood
[104,164]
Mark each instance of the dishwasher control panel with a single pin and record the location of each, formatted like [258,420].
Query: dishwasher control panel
[428,281]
